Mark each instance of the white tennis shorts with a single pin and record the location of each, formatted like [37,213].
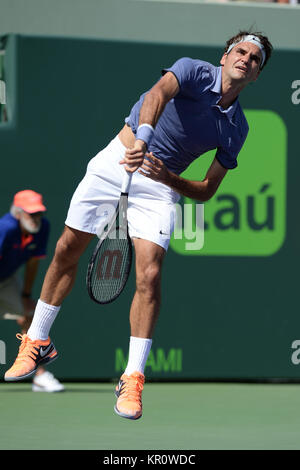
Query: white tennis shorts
[151,205]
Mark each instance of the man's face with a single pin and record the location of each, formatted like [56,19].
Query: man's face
[31,223]
[242,63]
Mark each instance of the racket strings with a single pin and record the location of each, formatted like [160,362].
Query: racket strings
[111,267]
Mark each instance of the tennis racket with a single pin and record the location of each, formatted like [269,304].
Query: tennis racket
[110,263]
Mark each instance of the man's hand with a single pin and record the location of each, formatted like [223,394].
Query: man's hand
[134,157]
[155,169]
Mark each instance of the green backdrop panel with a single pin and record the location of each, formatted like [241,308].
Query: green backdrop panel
[230,309]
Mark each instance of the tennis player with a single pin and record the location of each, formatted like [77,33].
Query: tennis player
[193,108]
[24,235]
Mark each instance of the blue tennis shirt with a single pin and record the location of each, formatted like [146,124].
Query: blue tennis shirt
[15,248]
[193,123]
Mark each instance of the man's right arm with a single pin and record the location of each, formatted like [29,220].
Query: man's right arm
[157,98]
[154,103]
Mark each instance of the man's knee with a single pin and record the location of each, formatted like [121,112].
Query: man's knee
[71,245]
[148,279]
[63,249]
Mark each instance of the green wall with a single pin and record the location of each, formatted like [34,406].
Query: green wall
[231,312]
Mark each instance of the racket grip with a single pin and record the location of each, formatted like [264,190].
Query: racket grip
[126,182]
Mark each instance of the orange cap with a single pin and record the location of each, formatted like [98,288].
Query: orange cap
[29,201]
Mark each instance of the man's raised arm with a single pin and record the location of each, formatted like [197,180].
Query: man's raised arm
[154,103]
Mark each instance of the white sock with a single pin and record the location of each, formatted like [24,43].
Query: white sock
[44,316]
[139,349]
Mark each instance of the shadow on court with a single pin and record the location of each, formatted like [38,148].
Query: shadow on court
[27,389]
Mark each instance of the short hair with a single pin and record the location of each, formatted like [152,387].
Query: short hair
[263,39]
[14,210]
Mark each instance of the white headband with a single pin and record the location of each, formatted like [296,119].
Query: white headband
[255,40]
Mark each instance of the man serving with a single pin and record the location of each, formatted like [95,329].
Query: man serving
[193,108]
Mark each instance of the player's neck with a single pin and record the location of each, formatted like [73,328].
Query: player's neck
[230,91]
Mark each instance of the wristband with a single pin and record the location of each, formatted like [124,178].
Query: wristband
[26,296]
[145,133]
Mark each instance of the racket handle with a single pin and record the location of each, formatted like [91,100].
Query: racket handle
[126,182]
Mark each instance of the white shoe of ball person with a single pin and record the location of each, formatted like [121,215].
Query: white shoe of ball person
[46,382]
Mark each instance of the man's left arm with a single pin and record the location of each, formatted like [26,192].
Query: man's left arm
[199,190]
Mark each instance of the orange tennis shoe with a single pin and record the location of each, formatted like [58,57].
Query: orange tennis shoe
[31,355]
[129,393]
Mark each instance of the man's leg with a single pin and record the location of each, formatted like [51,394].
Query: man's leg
[146,302]
[58,283]
[143,316]
[61,274]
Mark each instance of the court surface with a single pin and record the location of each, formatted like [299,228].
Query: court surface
[194,416]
